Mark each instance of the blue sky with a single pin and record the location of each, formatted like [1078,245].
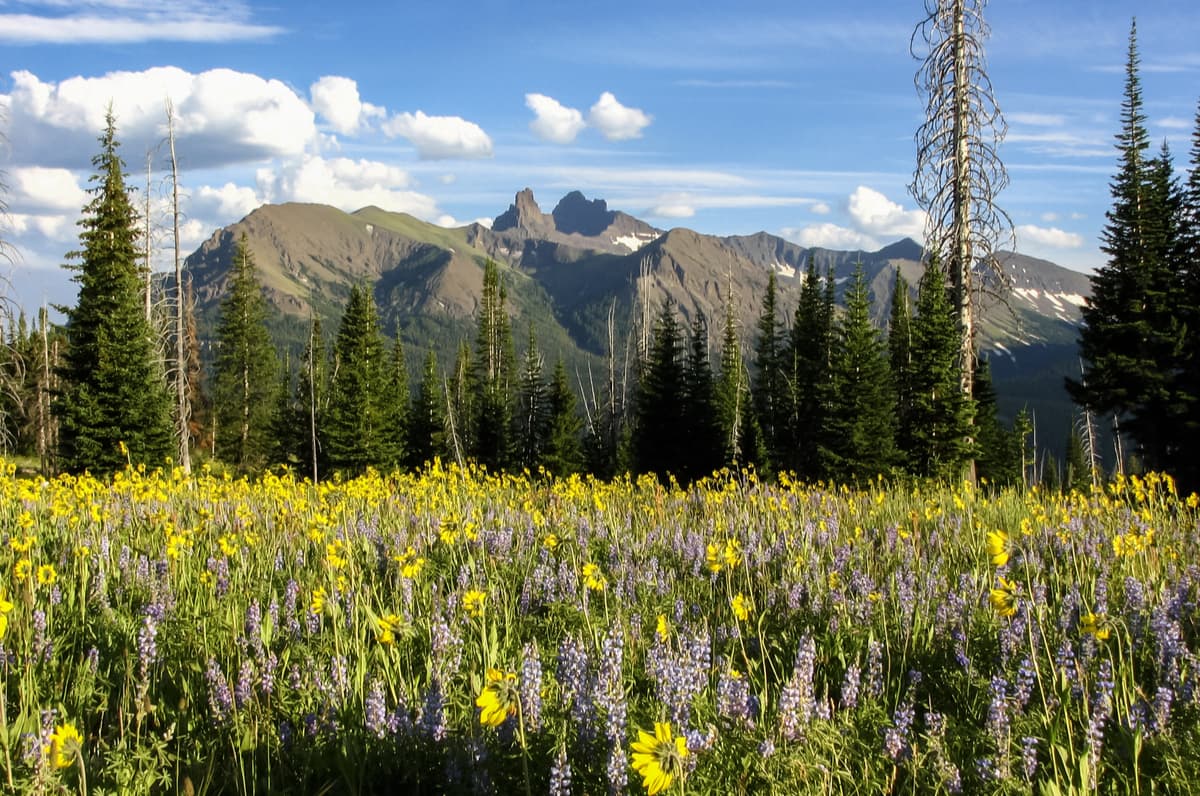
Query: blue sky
[794,118]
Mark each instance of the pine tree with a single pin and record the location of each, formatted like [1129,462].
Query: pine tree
[114,394]
[288,421]
[1123,341]
[357,425]
[493,376]
[660,426]
[533,410]
[397,408]
[808,356]
[861,423]
[940,413]
[198,401]
[564,453]
[899,342]
[996,457]
[733,394]
[245,374]
[427,420]
[701,449]
[1186,386]
[769,390]
[1078,475]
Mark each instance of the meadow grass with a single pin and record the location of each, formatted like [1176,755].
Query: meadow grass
[457,631]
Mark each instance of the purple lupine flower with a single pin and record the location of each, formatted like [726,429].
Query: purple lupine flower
[796,701]
[766,748]
[616,770]
[733,697]
[55,594]
[1101,709]
[1023,688]
[253,627]
[446,648]
[220,700]
[576,685]
[43,647]
[375,715]
[1160,713]
[432,719]
[1029,757]
[531,687]
[1064,661]
[1135,608]
[560,774]
[850,683]
[895,738]
[610,689]
[243,689]
[147,647]
[93,659]
[874,669]
[999,724]
[267,674]
[289,608]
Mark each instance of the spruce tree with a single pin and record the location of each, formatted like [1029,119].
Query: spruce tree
[809,377]
[996,457]
[660,426]
[701,449]
[1126,338]
[563,455]
[397,408]
[733,394]
[1186,387]
[114,395]
[357,425]
[493,375]
[288,426]
[533,410]
[769,389]
[899,340]
[245,373]
[427,420]
[862,428]
[941,414]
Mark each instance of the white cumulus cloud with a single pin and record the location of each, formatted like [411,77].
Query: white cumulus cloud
[616,121]
[34,188]
[336,99]
[344,183]
[554,121]
[224,204]
[830,236]
[821,208]
[878,216]
[440,137]
[1049,236]
[674,210]
[223,117]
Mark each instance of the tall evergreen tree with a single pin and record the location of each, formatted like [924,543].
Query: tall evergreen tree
[564,453]
[493,375]
[808,357]
[1078,475]
[997,458]
[288,425]
[533,410]
[769,390]
[461,407]
[1126,339]
[245,373]
[397,408]
[113,391]
[899,341]
[660,426]
[733,394]
[701,448]
[312,402]
[357,425]
[427,420]
[941,413]
[1186,387]
[861,424]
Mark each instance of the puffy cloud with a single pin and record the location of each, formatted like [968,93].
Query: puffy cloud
[553,121]
[344,183]
[1049,236]
[830,236]
[49,227]
[336,99]
[440,137]
[821,208]
[225,204]
[616,121]
[674,210]
[34,188]
[878,216]
[223,117]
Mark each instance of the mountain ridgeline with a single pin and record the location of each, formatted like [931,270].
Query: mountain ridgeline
[585,275]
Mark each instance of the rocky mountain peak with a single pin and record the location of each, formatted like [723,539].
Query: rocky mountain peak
[575,214]
[523,214]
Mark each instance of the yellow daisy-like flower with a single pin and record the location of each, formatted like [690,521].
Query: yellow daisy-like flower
[1004,597]
[713,555]
[5,607]
[1094,625]
[663,630]
[46,575]
[318,601]
[732,553]
[22,569]
[658,758]
[64,742]
[386,627]
[997,547]
[551,541]
[741,607]
[499,698]
[593,578]
[473,602]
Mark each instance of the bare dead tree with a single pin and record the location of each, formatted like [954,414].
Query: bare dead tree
[959,172]
[182,406]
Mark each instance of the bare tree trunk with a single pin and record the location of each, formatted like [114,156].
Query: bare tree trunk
[43,398]
[963,206]
[182,409]
[146,220]
[312,401]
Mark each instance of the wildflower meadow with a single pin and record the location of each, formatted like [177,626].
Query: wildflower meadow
[453,631]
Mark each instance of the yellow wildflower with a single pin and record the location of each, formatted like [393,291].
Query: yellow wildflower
[64,743]
[741,607]
[663,630]
[22,569]
[1094,625]
[6,607]
[713,556]
[46,575]
[1004,597]
[658,758]
[997,547]
[386,627]
[499,699]
[473,602]
[593,578]
[317,605]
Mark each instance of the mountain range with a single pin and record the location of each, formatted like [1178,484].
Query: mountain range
[575,271]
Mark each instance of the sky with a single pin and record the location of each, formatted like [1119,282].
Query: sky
[797,118]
